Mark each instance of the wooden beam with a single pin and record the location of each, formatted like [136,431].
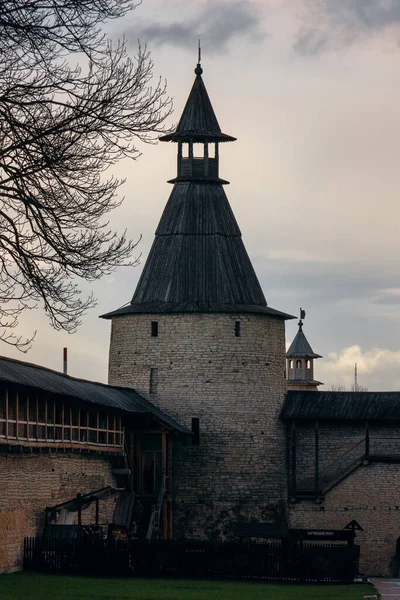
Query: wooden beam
[16,414]
[6,413]
[97,512]
[131,458]
[367,440]
[316,473]
[79,502]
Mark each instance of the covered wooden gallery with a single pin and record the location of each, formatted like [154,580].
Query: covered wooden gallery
[43,411]
[331,435]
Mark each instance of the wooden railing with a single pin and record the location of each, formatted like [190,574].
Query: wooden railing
[31,420]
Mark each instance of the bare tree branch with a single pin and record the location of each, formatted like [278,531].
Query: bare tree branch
[72,104]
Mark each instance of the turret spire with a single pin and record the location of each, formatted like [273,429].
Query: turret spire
[300,361]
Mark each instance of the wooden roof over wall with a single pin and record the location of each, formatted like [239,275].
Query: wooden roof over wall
[341,406]
[26,375]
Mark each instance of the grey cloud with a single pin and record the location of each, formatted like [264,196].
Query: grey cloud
[325,281]
[388,299]
[332,24]
[216,25]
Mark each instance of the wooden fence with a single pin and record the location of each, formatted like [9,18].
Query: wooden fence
[280,560]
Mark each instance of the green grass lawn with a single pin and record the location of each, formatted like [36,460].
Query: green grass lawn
[34,586]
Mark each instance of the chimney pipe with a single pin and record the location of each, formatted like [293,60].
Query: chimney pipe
[65,361]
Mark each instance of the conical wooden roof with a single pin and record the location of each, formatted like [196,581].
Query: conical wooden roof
[198,122]
[300,346]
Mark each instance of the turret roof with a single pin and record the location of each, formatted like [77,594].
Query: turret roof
[300,346]
[198,122]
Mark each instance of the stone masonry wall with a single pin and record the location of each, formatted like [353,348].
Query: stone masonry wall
[30,482]
[235,386]
[371,496]
[339,445]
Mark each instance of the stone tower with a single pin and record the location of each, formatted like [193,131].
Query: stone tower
[300,362]
[199,341]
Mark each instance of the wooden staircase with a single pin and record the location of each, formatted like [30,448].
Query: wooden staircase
[154,527]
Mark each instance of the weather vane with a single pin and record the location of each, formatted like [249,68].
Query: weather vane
[302,316]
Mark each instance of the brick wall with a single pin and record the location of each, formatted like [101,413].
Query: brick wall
[235,386]
[30,482]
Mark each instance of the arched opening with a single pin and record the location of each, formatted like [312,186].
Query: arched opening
[298,364]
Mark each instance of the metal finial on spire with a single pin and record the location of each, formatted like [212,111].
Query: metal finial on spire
[198,70]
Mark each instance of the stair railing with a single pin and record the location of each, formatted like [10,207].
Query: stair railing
[329,471]
[155,516]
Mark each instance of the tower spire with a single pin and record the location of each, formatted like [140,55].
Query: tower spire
[300,361]
[198,262]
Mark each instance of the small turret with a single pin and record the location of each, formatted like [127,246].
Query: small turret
[300,362]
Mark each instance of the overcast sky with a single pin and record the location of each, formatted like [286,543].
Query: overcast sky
[311,89]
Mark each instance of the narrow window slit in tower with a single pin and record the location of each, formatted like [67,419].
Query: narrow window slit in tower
[153,381]
[238,328]
[154,329]
[195,431]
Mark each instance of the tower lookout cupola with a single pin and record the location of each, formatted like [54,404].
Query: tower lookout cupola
[198,136]
[300,362]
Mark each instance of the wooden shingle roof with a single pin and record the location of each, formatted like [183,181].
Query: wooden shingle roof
[300,347]
[198,122]
[35,377]
[342,406]
[198,262]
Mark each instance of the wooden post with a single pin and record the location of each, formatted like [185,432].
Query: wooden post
[37,417]
[366,440]
[316,474]
[179,158]
[293,461]
[97,512]
[217,158]
[16,415]
[6,413]
[132,458]
[164,482]
[168,486]
[206,159]
[190,158]
[27,418]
